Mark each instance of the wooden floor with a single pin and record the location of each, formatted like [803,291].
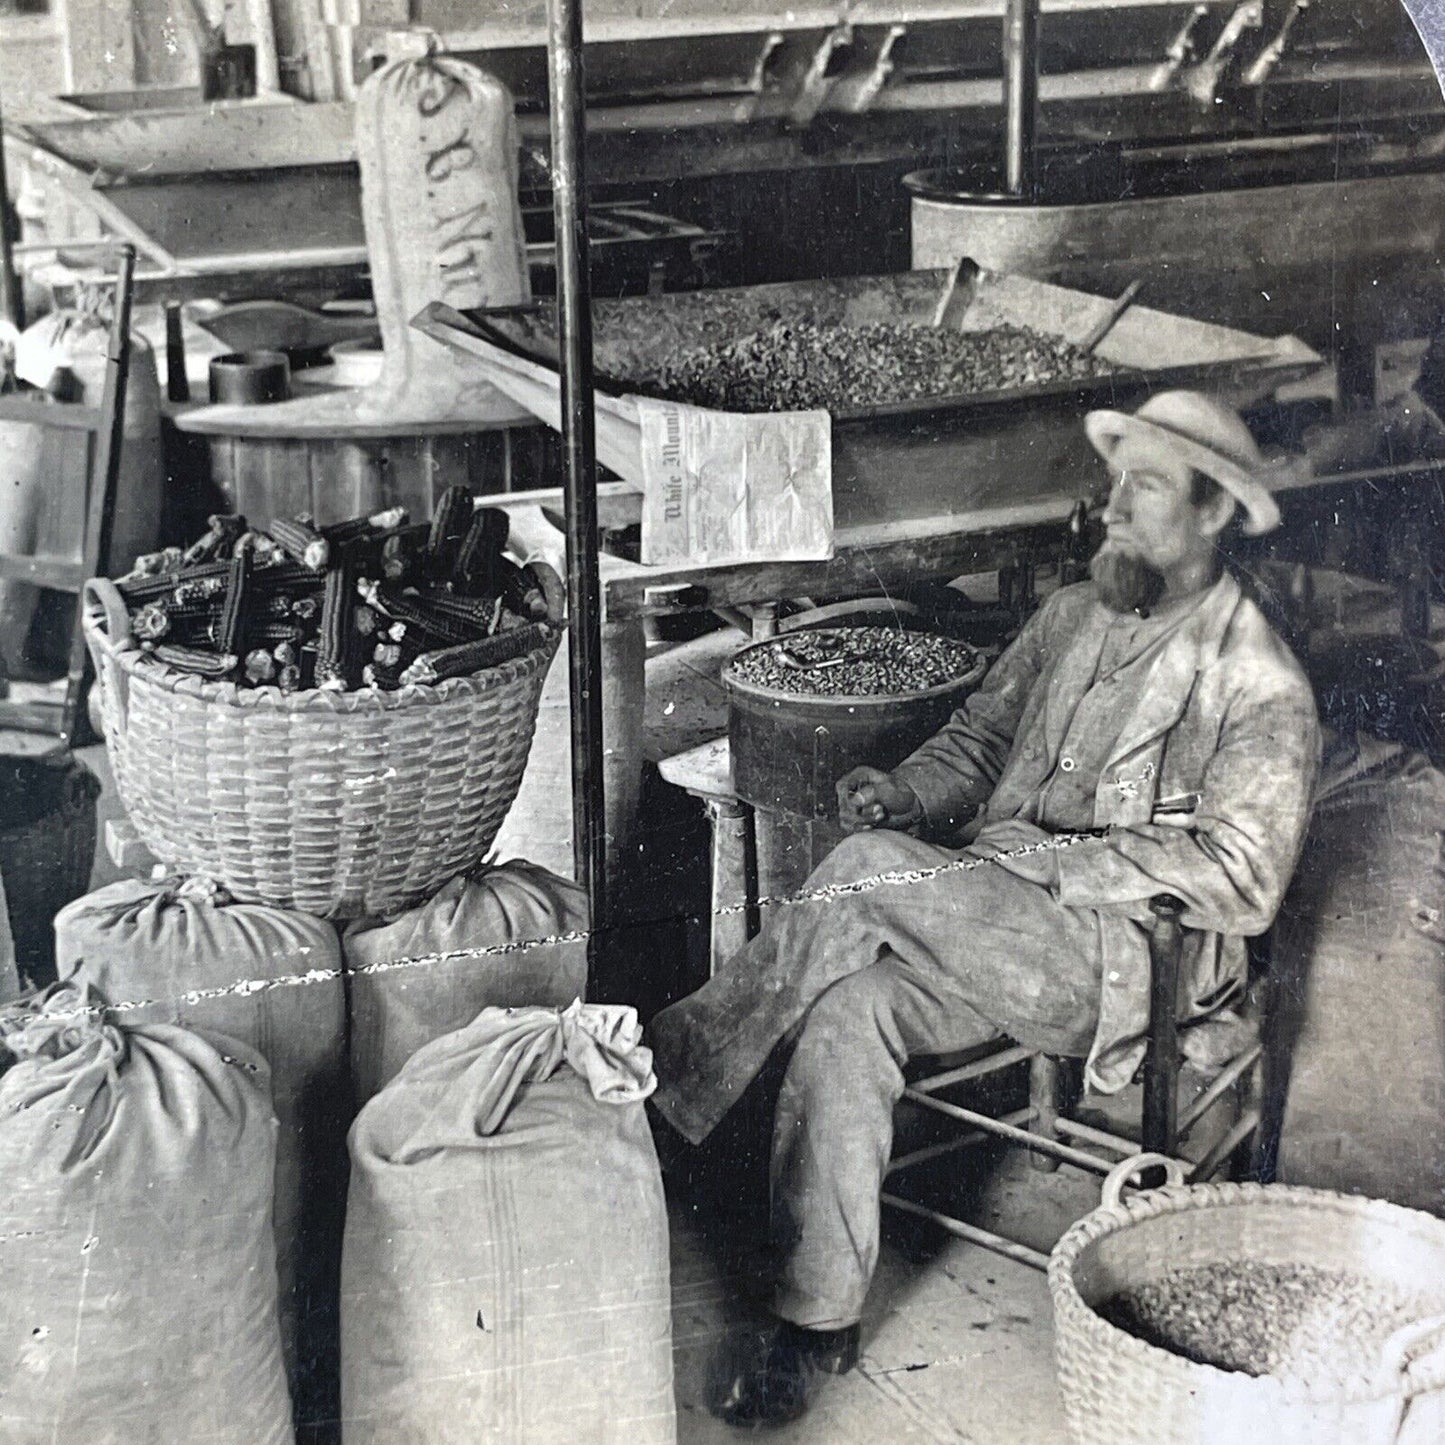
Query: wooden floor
[957,1346]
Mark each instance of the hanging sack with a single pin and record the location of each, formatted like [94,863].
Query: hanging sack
[1359,958]
[477,944]
[505,1277]
[182,952]
[135,1233]
[437,144]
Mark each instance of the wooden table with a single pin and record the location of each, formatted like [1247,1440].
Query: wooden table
[867,559]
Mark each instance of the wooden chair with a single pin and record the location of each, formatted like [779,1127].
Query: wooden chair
[104,423]
[1048,1126]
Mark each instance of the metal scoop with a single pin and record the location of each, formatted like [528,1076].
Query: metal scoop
[794,663]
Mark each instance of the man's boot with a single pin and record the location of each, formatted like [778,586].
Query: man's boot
[774,1385]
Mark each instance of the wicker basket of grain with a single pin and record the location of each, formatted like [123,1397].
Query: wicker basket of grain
[337,804]
[1220,1313]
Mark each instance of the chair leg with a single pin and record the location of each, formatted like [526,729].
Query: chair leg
[1253,1161]
[1046,1099]
[1161,1062]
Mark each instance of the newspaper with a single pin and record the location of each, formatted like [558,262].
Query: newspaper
[723,488]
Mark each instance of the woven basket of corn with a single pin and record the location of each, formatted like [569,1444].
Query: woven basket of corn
[340,804]
[1206,1314]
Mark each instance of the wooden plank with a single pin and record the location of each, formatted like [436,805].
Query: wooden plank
[336,493]
[100,37]
[65,499]
[60,416]
[82,189]
[633,24]
[45,570]
[33,717]
[851,571]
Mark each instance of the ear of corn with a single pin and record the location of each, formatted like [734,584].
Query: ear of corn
[302,543]
[380,676]
[262,550]
[435,627]
[138,590]
[222,533]
[211,665]
[284,576]
[231,627]
[478,613]
[472,657]
[151,623]
[475,569]
[520,590]
[332,650]
[191,622]
[260,666]
[449,524]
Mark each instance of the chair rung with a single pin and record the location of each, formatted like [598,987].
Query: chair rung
[1247,1123]
[1090,1135]
[951,1146]
[1009,1248]
[1232,1072]
[1037,1142]
[978,1069]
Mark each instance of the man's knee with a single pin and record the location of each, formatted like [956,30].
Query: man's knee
[852,1018]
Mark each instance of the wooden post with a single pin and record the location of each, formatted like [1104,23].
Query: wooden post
[567,107]
[12,302]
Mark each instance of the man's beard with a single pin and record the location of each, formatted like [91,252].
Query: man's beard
[1126,583]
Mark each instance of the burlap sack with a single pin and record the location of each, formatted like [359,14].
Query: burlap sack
[437,142]
[184,953]
[139,1272]
[474,945]
[506,1267]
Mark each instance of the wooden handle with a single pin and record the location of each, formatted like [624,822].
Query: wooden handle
[958,294]
[1118,307]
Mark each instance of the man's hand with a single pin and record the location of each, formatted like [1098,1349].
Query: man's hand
[868,798]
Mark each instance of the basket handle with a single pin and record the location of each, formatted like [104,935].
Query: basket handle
[1121,1173]
[1414,1356]
[553,589]
[106,611]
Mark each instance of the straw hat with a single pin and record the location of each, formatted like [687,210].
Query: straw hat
[1204,435]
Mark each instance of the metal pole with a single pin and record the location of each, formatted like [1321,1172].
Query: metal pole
[12,303]
[1020,93]
[579,439]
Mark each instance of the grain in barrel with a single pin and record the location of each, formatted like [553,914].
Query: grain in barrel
[855,662]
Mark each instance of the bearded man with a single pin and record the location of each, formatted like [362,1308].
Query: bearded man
[1151,710]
